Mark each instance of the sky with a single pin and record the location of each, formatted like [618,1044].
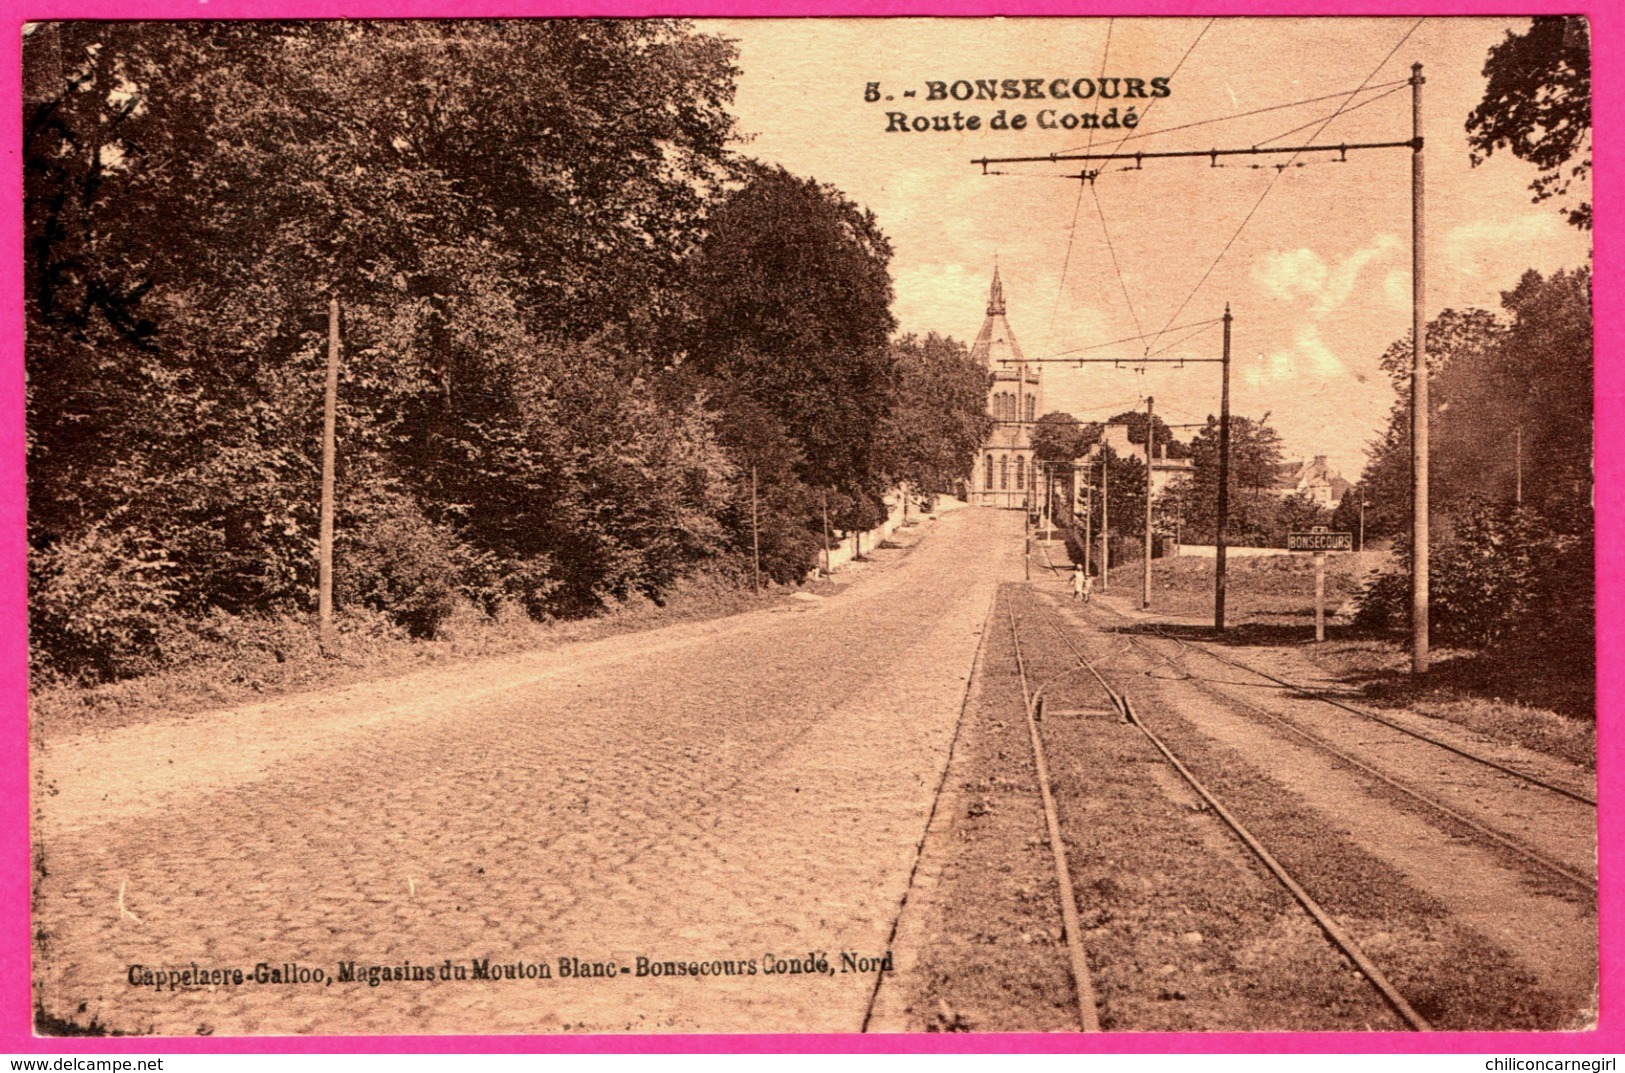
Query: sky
[1316,270]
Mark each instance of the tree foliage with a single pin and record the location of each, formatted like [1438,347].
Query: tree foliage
[1510,397]
[791,307]
[1500,387]
[1537,104]
[1125,485]
[937,416]
[1060,437]
[1255,466]
[575,326]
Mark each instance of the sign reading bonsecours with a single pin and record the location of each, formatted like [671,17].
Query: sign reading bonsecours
[1319,541]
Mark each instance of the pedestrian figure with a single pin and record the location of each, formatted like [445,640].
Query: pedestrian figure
[1088,587]
[1079,581]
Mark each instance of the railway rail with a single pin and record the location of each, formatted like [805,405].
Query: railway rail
[1033,697]
[1542,861]
[1533,856]
[1318,695]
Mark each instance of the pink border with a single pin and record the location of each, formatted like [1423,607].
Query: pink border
[1608,89]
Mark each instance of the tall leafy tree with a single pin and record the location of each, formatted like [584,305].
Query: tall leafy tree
[936,416]
[790,301]
[1537,105]
[196,192]
[1060,437]
[1255,466]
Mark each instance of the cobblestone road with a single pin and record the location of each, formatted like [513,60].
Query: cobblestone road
[726,790]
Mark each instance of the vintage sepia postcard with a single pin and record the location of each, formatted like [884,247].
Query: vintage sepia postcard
[558,526]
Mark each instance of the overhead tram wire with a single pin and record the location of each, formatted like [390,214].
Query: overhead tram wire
[1100,211]
[1182,339]
[1260,111]
[1369,100]
[1066,262]
[1061,354]
[1197,40]
[1072,232]
[1277,176]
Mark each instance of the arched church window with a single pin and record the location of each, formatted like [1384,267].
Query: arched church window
[1021,473]
[987,479]
[1032,403]
[1004,473]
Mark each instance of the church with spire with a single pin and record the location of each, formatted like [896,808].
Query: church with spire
[1004,468]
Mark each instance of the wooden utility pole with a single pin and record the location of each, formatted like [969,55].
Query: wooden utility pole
[324,566]
[823,503]
[1221,535]
[1320,596]
[1419,395]
[755,533]
[1150,457]
[1517,472]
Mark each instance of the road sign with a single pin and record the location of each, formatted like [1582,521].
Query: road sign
[1320,541]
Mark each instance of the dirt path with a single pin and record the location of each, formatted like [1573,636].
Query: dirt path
[744,791]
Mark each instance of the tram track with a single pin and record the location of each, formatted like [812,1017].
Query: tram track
[1334,929]
[1197,855]
[1529,854]
[1542,861]
[1317,695]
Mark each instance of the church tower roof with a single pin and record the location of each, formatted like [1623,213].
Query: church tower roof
[996,345]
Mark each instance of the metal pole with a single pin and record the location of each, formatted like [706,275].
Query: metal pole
[324,566]
[1150,457]
[1105,518]
[1026,543]
[1212,154]
[1220,536]
[1419,396]
[755,535]
[1089,520]
[1049,491]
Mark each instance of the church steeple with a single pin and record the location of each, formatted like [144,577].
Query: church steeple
[996,345]
[1006,474]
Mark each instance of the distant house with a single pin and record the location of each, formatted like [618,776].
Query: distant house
[1314,478]
[1172,460]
